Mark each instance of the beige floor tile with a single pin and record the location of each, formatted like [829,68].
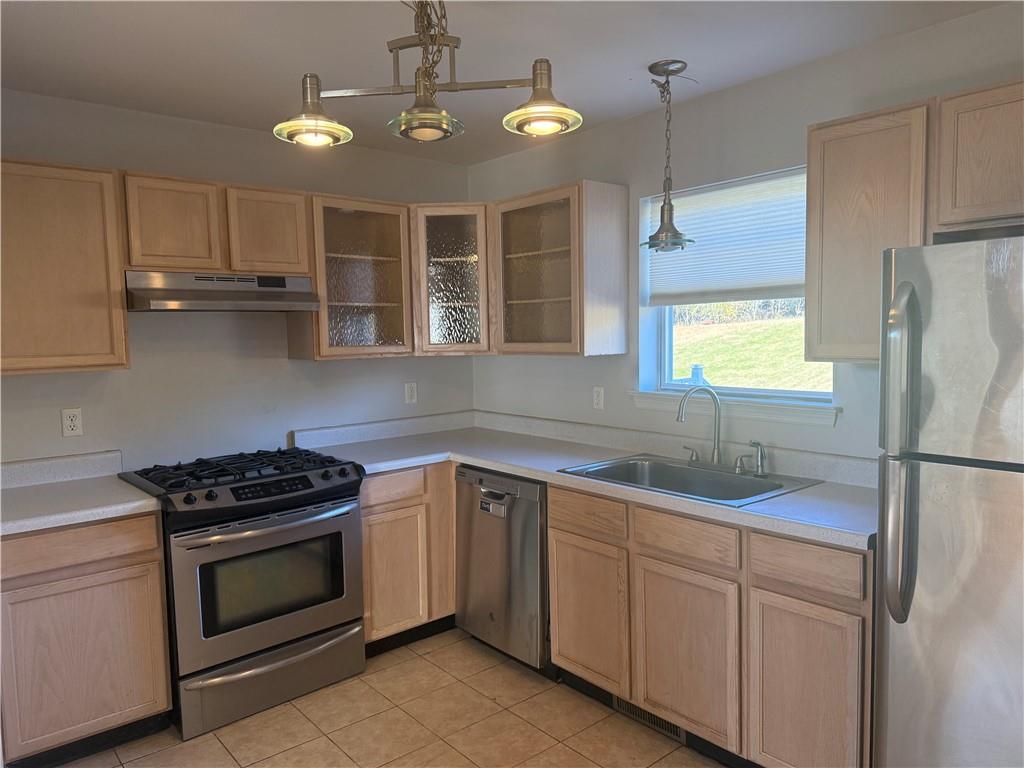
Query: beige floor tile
[559,756]
[508,683]
[202,752]
[686,758]
[381,738]
[618,742]
[106,759]
[319,753]
[147,745]
[339,705]
[436,755]
[409,680]
[451,708]
[465,658]
[389,659]
[561,711]
[266,733]
[432,643]
[499,741]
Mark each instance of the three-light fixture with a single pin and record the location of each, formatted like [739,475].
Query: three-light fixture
[541,115]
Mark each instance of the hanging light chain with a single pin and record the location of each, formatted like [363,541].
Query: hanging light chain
[432,28]
[665,91]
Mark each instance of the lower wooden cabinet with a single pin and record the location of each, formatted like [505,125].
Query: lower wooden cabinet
[686,636]
[395,565]
[84,645]
[588,587]
[805,683]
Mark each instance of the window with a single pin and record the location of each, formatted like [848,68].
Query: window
[732,304]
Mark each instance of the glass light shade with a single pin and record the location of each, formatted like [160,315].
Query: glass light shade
[313,131]
[543,114]
[668,238]
[426,125]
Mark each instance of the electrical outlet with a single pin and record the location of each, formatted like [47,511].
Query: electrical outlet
[71,422]
[410,392]
[598,398]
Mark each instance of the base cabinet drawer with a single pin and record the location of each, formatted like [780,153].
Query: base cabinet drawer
[81,656]
[588,585]
[806,679]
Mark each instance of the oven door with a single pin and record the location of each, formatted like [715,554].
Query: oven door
[253,584]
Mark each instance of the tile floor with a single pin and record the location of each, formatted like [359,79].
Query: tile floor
[444,702]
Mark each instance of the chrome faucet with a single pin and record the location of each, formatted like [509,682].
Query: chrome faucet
[716,452]
[758,456]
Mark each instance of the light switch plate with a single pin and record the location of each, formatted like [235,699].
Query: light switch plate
[598,398]
[410,392]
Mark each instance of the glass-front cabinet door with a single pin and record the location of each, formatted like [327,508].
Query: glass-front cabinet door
[450,279]
[537,272]
[362,277]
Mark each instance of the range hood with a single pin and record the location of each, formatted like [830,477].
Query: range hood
[204,292]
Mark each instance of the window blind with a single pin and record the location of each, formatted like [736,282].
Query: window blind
[749,242]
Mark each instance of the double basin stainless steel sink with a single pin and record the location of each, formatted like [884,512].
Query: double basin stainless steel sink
[703,482]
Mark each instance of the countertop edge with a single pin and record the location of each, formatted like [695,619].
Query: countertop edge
[57,520]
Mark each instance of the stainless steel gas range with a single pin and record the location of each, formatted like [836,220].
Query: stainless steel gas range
[264,574]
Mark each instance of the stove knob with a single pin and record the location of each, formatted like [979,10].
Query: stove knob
[342,471]
[326,475]
[211,495]
[190,498]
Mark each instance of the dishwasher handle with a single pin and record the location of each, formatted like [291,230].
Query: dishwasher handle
[495,503]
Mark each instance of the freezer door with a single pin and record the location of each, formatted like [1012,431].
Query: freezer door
[948,685]
[954,316]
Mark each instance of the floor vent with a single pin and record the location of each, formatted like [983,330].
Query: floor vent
[645,717]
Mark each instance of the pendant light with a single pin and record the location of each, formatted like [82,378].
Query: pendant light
[668,238]
[542,114]
[424,120]
[312,127]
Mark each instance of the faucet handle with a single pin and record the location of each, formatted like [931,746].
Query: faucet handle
[760,456]
[740,466]
[694,456]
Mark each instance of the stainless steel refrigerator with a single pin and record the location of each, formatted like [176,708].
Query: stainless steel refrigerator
[949,677]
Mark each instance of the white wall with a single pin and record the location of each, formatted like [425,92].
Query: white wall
[751,128]
[214,383]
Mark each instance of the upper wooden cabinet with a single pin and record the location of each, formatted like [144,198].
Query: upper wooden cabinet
[449,279]
[268,231]
[981,155]
[559,271]
[63,305]
[175,224]
[865,193]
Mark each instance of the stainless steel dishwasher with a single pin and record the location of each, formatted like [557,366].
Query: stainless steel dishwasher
[501,563]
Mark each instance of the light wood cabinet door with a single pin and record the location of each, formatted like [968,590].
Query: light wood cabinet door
[268,231]
[174,224]
[865,193]
[981,155]
[588,583]
[687,649]
[81,656]
[806,678]
[63,305]
[449,279]
[395,581]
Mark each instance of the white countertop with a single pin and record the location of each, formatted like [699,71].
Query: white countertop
[829,513]
[52,505]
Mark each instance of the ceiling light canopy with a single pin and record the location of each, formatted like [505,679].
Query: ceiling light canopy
[425,120]
[312,127]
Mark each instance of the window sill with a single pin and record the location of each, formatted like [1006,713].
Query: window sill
[790,412]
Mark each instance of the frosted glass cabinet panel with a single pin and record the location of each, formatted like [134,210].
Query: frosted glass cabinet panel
[362,268]
[450,279]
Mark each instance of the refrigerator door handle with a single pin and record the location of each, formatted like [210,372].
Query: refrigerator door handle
[894,540]
[896,433]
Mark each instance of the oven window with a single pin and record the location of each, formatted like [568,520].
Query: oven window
[261,585]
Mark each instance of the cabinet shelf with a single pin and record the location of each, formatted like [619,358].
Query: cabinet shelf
[454,304]
[553,300]
[364,303]
[361,257]
[543,252]
[451,259]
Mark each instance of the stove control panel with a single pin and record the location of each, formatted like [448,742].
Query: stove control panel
[270,488]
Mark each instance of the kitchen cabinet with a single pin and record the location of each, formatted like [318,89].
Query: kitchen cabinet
[686,627]
[981,155]
[362,277]
[269,231]
[806,683]
[63,304]
[589,601]
[449,279]
[559,271]
[865,193]
[395,592]
[84,633]
[175,224]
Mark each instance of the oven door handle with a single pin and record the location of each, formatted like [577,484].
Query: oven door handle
[187,542]
[234,677]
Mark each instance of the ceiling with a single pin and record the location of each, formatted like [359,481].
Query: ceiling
[240,63]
